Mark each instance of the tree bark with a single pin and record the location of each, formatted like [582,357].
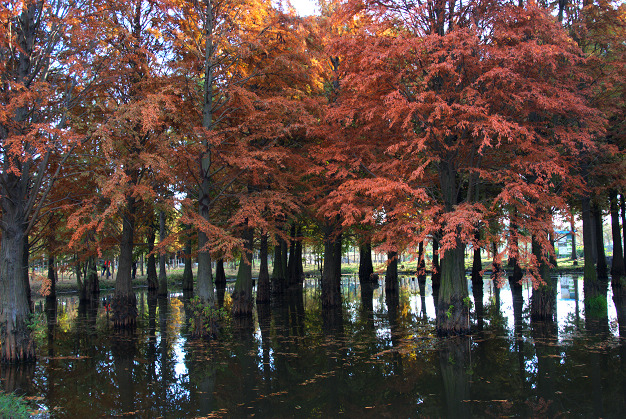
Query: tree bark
[124,302]
[477,283]
[331,276]
[436,269]
[294,265]
[242,295]
[220,281]
[391,275]
[188,272]
[574,252]
[421,272]
[543,301]
[162,256]
[588,242]
[617,266]
[278,278]
[623,208]
[601,267]
[152,277]
[52,278]
[263,285]
[366,268]
[16,337]
[453,303]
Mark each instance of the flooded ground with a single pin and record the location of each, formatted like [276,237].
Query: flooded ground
[371,359]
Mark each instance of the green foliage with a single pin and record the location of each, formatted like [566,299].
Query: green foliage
[206,320]
[37,323]
[12,406]
[468,302]
[449,311]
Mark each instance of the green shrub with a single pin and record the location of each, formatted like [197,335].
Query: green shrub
[12,406]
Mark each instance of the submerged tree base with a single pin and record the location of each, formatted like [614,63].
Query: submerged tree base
[453,317]
[124,311]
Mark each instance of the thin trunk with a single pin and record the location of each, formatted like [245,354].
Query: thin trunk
[242,294]
[278,279]
[294,265]
[52,278]
[331,276]
[152,277]
[263,285]
[588,242]
[366,268]
[574,252]
[220,281]
[421,272]
[204,280]
[162,256]
[188,272]
[496,274]
[623,207]
[601,267]
[617,266]
[477,283]
[124,302]
[436,269]
[515,280]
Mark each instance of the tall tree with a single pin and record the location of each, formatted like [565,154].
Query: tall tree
[41,80]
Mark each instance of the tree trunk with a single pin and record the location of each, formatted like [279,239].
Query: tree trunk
[421,272]
[25,264]
[588,242]
[496,273]
[331,276]
[391,275]
[52,278]
[124,302]
[278,279]
[366,268]
[188,272]
[477,284]
[242,295]
[601,267]
[617,266]
[574,252]
[453,303]
[220,281]
[152,277]
[299,269]
[543,301]
[162,256]
[16,337]
[436,275]
[263,285]
[623,207]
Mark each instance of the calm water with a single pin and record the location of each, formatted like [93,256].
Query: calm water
[292,360]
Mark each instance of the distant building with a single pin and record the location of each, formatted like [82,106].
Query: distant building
[563,243]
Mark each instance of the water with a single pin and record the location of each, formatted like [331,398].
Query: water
[294,360]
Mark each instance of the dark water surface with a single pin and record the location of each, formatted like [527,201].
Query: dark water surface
[371,359]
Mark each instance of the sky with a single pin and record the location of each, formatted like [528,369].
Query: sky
[304,7]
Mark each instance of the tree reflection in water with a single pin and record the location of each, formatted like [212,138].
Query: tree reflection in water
[376,355]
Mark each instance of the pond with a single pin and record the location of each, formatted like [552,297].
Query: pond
[369,359]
